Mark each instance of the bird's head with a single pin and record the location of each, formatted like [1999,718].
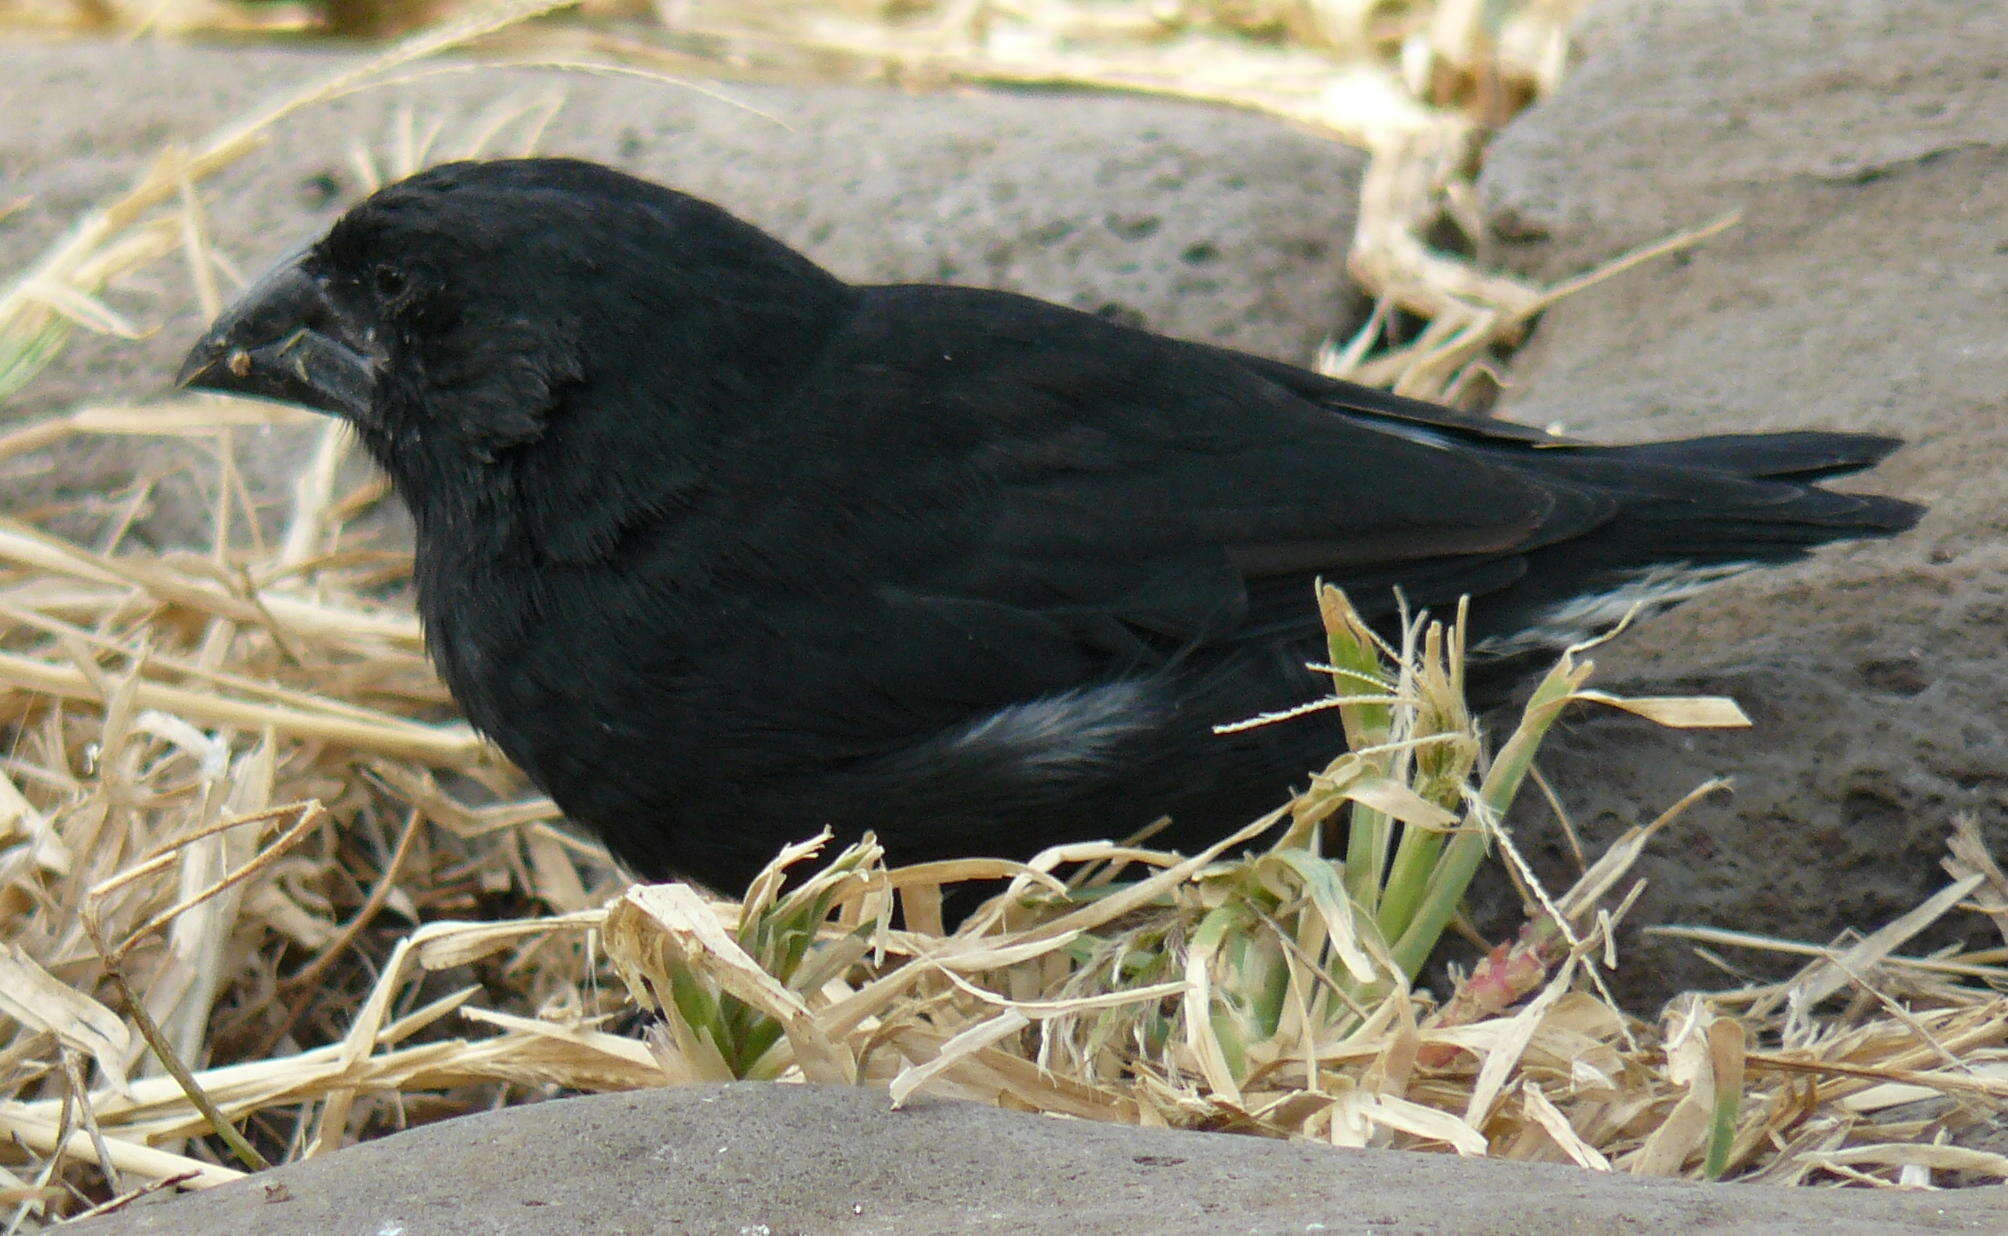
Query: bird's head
[476,309]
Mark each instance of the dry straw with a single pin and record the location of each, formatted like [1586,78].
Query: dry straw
[260,894]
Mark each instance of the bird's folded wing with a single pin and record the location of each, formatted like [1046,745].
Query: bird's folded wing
[1122,485]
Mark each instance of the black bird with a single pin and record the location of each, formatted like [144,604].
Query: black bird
[721,549]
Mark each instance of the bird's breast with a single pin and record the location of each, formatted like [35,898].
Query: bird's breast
[562,675]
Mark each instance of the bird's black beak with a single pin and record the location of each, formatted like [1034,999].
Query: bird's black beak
[287,339]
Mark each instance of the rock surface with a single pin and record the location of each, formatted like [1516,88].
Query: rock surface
[779,1159]
[1865,288]
[1201,222]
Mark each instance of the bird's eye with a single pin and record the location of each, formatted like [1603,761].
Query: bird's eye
[390,281]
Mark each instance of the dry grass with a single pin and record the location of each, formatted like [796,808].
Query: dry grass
[260,895]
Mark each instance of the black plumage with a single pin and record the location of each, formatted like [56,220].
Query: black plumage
[721,549]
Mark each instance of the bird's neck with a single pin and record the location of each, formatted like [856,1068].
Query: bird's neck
[643,436]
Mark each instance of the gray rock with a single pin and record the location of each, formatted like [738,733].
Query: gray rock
[1865,288]
[1681,110]
[773,1158]
[1200,222]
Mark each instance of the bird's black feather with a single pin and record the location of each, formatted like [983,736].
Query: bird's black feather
[721,549]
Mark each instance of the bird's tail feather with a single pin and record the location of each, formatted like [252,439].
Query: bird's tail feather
[1735,497]
[1801,456]
[1685,514]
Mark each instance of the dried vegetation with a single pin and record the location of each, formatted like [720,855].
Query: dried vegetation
[261,895]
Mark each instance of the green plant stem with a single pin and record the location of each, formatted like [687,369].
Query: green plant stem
[1351,649]
[1722,1133]
[1407,881]
[1366,856]
[1459,861]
